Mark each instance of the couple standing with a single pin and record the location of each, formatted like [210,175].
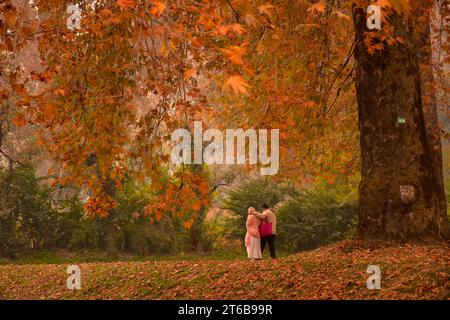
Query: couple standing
[261,230]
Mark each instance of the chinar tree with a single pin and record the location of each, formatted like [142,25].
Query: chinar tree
[401,193]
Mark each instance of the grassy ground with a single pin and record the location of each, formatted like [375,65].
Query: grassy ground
[66,257]
[63,257]
[414,271]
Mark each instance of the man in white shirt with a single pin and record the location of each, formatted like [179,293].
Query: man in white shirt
[271,218]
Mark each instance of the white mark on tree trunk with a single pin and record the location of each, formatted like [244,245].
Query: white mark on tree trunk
[407,194]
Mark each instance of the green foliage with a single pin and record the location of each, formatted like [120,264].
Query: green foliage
[125,229]
[314,218]
[306,219]
[219,237]
[37,218]
[25,222]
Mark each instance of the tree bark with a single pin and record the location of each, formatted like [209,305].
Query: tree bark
[401,193]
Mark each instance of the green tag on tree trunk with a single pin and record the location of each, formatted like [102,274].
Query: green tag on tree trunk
[401,120]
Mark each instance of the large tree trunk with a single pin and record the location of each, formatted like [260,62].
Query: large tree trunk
[401,194]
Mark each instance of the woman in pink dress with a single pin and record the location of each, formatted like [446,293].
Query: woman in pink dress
[252,238]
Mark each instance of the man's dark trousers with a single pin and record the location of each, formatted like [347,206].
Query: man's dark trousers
[271,241]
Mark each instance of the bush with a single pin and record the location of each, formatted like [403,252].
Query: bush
[125,229]
[35,217]
[217,235]
[314,218]
[25,222]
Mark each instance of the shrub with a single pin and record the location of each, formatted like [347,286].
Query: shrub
[25,222]
[314,218]
[217,236]
[35,217]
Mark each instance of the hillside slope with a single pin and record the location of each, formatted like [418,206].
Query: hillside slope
[338,271]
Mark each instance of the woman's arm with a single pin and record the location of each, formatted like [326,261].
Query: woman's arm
[260,215]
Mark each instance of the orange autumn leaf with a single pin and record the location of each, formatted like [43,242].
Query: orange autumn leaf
[60,92]
[188,224]
[265,9]
[383,3]
[235,54]
[235,27]
[157,8]
[317,7]
[250,20]
[19,120]
[397,5]
[49,111]
[400,40]
[331,179]
[236,84]
[125,3]
[207,280]
[45,76]
[189,73]
[196,206]
[238,28]
[105,12]
[341,15]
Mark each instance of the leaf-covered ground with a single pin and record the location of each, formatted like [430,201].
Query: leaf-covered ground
[413,271]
